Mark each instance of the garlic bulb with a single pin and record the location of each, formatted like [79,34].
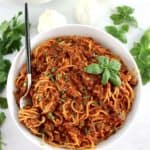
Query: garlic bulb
[87,11]
[50,18]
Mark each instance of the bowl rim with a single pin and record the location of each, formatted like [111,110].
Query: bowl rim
[34,43]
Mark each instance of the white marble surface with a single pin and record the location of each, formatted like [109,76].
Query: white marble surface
[137,137]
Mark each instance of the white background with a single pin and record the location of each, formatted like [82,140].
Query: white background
[137,137]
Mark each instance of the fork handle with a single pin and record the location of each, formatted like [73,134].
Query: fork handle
[27,40]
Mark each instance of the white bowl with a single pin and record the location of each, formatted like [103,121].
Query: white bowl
[102,37]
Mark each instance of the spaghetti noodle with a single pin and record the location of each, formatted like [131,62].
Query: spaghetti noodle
[71,108]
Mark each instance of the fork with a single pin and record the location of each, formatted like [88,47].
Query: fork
[23,102]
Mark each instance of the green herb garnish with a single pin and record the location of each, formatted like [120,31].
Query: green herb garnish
[95,103]
[2,118]
[11,33]
[123,15]
[50,76]
[53,69]
[4,68]
[118,32]
[51,116]
[86,97]
[122,20]
[141,54]
[59,76]
[62,99]
[3,103]
[109,70]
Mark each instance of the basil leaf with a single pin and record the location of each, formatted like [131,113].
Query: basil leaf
[115,65]
[115,79]
[104,67]
[105,77]
[103,61]
[3,103]
[93,69]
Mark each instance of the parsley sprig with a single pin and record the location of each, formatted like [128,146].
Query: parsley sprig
[122,20]
[11,33]
[141,54]
[4,68]
[108,69]
[3,105]
[119,32]
[123,15]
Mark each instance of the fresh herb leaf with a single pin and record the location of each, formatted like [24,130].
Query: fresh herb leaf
[11,33]
[86,97]
[53,69]
[95,103]
[115,65]
[144,56]
[123,15]
[4,64]
[58,76]
[4,26]
[125,10]
[103,61]
[145,39]
[124,28]
[93,69]
[115,79]
[3,77]
[4,68]
[117,32]
[122,20]
[50,76]
[3,103]
[51,116]
[108,68]
[105,76]
[2,117]
[141,54]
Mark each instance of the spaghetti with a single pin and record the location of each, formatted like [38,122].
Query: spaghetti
[71,108]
